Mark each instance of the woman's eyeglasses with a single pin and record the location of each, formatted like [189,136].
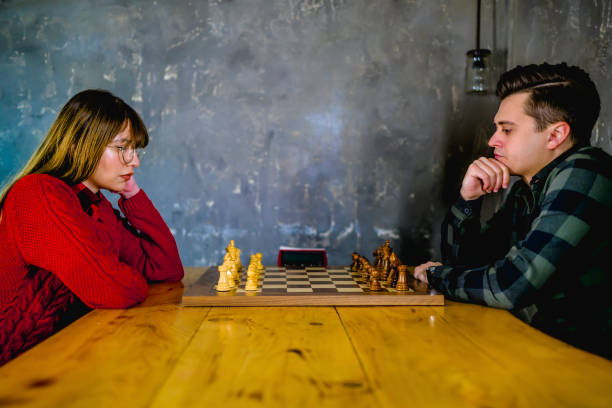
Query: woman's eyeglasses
[127,153]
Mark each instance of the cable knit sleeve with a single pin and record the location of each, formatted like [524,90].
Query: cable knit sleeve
[52,232]
[153,251]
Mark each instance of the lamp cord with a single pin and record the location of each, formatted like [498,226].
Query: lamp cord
[478,27]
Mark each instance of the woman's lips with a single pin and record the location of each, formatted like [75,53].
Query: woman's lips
[126,177]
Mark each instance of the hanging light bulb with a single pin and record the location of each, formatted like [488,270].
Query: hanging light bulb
[477,67]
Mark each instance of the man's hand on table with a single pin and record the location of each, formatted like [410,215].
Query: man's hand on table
[420,272]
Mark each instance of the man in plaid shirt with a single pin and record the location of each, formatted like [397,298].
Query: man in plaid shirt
[545,254]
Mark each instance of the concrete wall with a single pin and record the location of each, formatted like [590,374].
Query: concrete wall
[577,32]
[330,123]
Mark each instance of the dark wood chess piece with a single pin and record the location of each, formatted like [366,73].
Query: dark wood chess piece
[355,263]
[374,275]
[364,268]
[394,262]
[402,280]
[377,256]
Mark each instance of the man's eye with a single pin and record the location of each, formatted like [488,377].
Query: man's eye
[506,131]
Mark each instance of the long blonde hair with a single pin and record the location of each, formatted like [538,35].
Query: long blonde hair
[72,149]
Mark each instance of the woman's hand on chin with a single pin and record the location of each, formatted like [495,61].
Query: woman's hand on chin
[130,189]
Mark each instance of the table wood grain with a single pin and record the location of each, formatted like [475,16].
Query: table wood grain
[160,354]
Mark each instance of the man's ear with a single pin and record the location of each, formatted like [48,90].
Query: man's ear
[557,133]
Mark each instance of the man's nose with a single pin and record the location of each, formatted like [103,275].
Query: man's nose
[494,139]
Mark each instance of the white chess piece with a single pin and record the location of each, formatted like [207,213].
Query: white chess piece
[223,284]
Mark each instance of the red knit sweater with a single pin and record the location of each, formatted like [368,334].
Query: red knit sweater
[52,251]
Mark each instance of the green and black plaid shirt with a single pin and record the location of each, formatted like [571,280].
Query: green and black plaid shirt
[544,255]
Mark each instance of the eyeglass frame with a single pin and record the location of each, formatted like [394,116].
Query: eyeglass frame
[123,150]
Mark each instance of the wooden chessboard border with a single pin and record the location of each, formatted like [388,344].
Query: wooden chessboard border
[203,293]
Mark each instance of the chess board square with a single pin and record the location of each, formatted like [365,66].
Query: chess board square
[356,289]
[336,270]
[279,286]
[275,279]
[271,291]
[299,285]
[299,290]
[320,280]
[324,290]
[315,268]
[317,274]
[297,281]
[320,285]
[274,275]
[343,280]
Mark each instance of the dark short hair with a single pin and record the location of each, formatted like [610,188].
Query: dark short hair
[556,93]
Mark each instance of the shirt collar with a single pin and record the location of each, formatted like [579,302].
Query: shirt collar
[543,173]
[88,199]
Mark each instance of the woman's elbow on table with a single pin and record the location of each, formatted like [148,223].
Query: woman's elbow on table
[121,297]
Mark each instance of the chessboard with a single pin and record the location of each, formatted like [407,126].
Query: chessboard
[310,286]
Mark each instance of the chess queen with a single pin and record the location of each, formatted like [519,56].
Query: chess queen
[64,248]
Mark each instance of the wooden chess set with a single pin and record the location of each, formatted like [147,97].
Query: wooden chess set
[386,282]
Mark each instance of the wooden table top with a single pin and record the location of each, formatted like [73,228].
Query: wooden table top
[160,354]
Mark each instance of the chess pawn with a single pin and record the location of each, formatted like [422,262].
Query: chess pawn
[251,283]
[402,283]
[365,273]
[223,284]
[252,275]
[253,263]
[374,275]
[382,277]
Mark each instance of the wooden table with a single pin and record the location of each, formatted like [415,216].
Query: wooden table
[160,354]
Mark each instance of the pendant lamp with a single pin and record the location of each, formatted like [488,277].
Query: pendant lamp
[478,66]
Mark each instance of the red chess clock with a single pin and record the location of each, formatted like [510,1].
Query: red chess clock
[300,257]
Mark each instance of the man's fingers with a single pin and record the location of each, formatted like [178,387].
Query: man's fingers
[420,272]
[494,172]
[485,174]
[506,174]
[499,172]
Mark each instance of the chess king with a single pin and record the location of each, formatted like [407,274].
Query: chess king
[544,254]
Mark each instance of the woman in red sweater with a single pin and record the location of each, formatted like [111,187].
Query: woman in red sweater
[63,248]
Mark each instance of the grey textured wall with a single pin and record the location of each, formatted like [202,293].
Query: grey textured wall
[330,123]
[579,32]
